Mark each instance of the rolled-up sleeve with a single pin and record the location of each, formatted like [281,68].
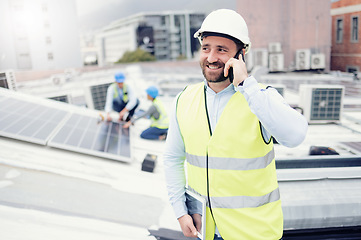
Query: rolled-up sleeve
[285,124]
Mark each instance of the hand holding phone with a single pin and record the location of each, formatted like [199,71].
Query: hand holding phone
[230,70]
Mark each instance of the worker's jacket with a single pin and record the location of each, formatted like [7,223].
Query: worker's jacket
[116,93]
[233,168]
[162,122]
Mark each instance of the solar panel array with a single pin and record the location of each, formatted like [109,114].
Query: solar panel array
[46,125]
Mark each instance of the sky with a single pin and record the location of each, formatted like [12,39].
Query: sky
[85,7]
[98,13]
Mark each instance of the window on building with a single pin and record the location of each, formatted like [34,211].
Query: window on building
[50,56]
[44,7]
[17,5]
[162,21]
[46,24]
[354,29]
[352,69]
[177,20]
[48,40]
[339,30]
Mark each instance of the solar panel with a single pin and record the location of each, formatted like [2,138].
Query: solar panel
[28,121]
[89,135]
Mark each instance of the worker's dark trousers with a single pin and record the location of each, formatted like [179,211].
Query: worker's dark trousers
[153,133]
[120,106]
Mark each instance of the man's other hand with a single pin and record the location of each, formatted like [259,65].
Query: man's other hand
[187,226]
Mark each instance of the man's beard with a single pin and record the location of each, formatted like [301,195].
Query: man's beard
[214,78]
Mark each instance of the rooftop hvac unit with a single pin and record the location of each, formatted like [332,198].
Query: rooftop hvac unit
[318,61]
[96,94]
[322,103]
[248,58]
[279,87]
[66,98]
[274,47]
[57,79]
[8,80]
[57,95]
[303,57]
[260,57]
[276,62]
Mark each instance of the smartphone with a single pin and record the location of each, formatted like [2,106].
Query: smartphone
[230,71]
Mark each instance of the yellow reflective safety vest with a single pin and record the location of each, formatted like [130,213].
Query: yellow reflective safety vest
[162,122]
[233,168]
[116,93]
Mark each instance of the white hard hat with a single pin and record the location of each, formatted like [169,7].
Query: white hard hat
[228,22]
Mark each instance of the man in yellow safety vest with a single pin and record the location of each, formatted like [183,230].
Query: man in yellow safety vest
[120,98]
[223,128]
[158,116]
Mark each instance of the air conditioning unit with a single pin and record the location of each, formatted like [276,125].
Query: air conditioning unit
[276,62]
[260,57]
[275,47]
[57,95]
[96,94]
[8,80]
[66,98]
[57,80]
[303,57]
[318,61]
[322,103]
[248,58]
[279,87]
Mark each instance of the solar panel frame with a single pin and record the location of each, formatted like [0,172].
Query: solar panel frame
[88,135]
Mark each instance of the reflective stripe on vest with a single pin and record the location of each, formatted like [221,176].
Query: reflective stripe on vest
[232,167]
[162,122]
[242,201]
[116,93]
[232,163]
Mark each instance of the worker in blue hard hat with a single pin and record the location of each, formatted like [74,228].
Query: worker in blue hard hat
[158,115]
[120,98]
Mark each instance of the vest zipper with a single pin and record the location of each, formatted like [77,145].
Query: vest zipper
[207,172]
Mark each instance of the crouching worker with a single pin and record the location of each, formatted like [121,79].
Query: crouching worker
[158,115]
[120,98]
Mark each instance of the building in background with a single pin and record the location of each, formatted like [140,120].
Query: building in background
[288,35]
[89,50]
[346,48]
[39,35]
[166,35]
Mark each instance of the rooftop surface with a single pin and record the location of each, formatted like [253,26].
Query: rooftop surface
[49,192]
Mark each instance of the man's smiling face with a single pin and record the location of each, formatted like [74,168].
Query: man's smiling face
[215,52]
